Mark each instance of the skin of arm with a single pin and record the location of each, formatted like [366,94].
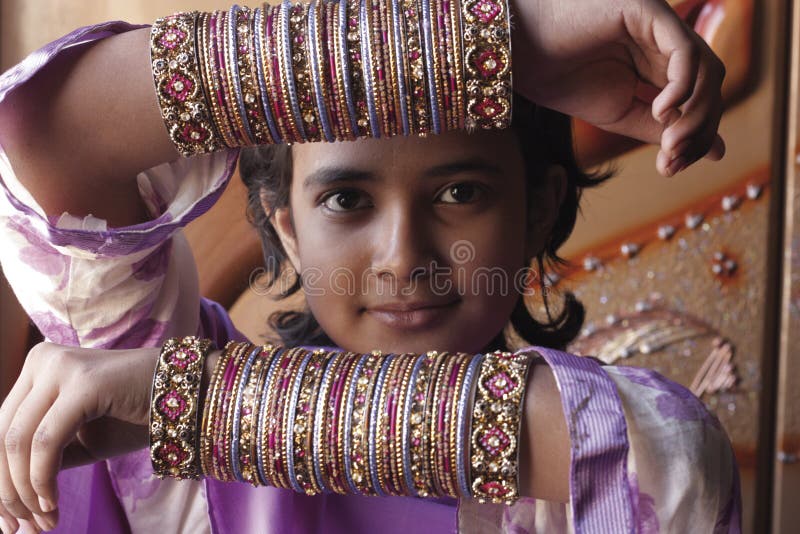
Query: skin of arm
[78,148]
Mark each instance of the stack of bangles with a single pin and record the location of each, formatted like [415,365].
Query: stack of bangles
[331,70]
[313,421]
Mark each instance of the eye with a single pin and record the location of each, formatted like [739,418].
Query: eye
[461,193]
[344,200]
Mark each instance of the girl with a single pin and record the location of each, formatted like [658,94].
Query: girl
[603,448]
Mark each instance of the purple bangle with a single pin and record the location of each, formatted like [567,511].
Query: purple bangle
[237,413]
[345,62]
[401,72]
[412,384]
[262,412]
[366,68]
[233,50]
[262,83]
[290,423]
[287,58]
[219,38]
[341,380]
[316,443]
[348,426]
[313,30]
[373,425]
[463,428]
[429,65]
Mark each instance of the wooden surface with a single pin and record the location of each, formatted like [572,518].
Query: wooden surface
[786,484]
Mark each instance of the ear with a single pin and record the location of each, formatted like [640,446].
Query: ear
[544,209]
[284,226]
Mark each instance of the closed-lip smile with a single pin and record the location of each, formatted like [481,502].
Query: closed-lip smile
[412,315]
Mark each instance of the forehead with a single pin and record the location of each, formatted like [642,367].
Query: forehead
[410,154]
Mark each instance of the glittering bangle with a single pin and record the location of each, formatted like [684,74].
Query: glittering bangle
[263,433]
[463,423]
[239,415]
[487,58]
[174,447]
[359,458]
[496,419]
[178,84]
[208,427]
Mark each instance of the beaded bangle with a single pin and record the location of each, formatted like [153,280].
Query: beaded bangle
[304,79]
[174,447]
[383,449]
[176,75]
[336,429]
[399,443]
[365,387]
[292,424]
[303,422]
[487,58]
[262,434]
[250,419]
[224,442]
[236,441]
[467,393]
[348,422]
[496,426]
[208,427]
[458,64]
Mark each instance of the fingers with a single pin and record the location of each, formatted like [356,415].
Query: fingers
[694,134]
[11,507]
[54,433]
[22,435]
[674,40]
[689,105]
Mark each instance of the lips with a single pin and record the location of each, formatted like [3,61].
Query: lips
[412,315]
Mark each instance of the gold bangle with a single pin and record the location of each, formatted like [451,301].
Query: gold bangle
[209,411]
[176,76]
[487,59]
[496,419]
[365,386]
[174,447]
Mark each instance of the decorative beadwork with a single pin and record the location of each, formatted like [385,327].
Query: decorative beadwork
[495,426]
[173,409]
[487,58]
[176,75]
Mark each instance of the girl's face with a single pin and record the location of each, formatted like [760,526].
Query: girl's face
[408,244]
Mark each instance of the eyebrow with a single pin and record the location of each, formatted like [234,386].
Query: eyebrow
[330,175]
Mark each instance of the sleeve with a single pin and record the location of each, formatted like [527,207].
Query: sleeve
[646,457]
[83,283]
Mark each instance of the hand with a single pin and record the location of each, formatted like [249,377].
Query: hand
[597,59]
[70,406]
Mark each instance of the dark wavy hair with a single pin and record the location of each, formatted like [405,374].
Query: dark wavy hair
[545,137]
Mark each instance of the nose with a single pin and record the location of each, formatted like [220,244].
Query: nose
[404,248]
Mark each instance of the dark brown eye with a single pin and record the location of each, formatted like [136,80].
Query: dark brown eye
[343,201]
[460,193]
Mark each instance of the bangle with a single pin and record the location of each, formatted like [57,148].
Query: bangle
[173,407]
[496,419]
[424,425]
[178,83]
[487,58]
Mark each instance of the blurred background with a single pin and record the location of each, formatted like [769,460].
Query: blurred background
[696,276]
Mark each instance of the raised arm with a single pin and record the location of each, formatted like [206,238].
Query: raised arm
[85,126]
[88,122]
